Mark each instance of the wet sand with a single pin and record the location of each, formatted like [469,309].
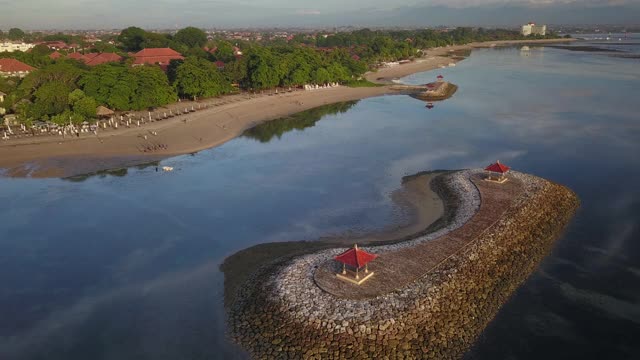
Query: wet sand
[429,208]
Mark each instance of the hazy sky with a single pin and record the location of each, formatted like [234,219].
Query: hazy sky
[78,14]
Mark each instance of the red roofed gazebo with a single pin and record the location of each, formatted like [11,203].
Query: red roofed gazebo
[440,78]
[355,258]
[498,168]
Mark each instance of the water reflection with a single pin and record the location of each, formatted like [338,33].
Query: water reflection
[121,172]
[267,131]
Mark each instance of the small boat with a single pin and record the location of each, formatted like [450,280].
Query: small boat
[167,168]
[429,106]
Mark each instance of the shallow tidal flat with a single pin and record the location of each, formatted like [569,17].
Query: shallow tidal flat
[431,295]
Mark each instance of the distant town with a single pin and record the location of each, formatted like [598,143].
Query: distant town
[192,63]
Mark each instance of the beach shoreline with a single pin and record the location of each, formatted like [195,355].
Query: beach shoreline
[224,119]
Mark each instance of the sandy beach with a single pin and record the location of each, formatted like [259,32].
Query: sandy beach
[224,119]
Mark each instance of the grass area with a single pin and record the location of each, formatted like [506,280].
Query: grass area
[362,83]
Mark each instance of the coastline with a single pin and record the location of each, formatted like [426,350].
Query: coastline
[225,119]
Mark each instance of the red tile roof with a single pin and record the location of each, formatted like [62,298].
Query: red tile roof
[13,66]
[160,56]
[76,56]
[55,55]
[498,167]
[102,58]
[355,257]
[219,64]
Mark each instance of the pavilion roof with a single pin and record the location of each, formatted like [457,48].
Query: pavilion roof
[498,167]
[104,111]
[355,257]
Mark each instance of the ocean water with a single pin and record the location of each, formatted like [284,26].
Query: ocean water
[125,264]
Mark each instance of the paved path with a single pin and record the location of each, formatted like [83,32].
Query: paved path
[396,269]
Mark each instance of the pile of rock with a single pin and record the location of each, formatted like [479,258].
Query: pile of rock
[282,314]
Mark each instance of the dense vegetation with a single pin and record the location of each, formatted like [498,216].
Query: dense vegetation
[64,90]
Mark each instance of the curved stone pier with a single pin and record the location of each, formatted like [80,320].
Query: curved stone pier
[449,284]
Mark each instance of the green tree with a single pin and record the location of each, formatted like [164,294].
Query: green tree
[321,76]
[121,87]
[263,71]
[50,99]
[16,34]
[152,88]
[132,38]
[199,77]
[83,106]
[110,84]
[224,51]
[191,37]
[235,71]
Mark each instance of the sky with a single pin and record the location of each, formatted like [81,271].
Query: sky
[108,14]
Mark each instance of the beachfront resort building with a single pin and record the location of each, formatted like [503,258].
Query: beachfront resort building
[15,46]
[160,56]
[533,29]
[13,67]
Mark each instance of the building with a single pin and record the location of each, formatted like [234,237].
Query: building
[55,55]
[13,67]
[159,56]
[94,59]
[58,45]
[533,29]
[15,46]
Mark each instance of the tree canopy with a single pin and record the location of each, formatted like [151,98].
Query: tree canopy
[198,77]
[121,87]
[15,34]
[132,38]
[191,37]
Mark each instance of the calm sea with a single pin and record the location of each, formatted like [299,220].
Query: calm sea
[124,264]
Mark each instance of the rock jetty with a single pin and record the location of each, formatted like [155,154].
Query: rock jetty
[283,313]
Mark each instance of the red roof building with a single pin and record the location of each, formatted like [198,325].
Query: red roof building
[13,67]
[160,56]
[76,56]
[220,65]
[101,58]
[55,55]
[498,168]
[355,257]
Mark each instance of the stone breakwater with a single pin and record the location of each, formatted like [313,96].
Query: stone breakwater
[281,313]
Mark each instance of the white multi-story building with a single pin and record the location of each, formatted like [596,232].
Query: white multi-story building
[533,29]
[15,46]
